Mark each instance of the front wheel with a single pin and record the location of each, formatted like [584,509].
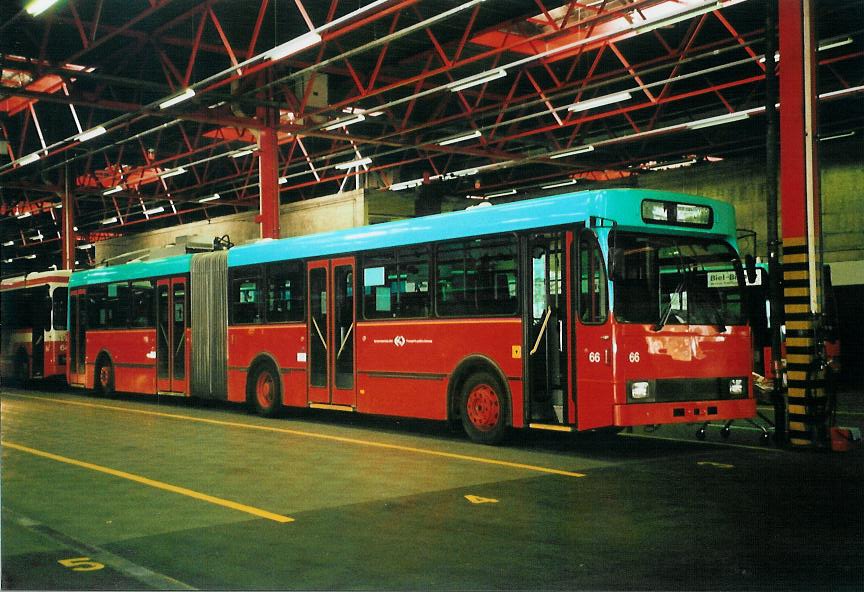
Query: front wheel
[484,408]
[264,391]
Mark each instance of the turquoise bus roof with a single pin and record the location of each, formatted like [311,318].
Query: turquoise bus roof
[132,271]
[621,205]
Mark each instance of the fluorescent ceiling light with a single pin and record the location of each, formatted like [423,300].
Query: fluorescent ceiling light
[599,101]
[37,7]
[172,173]
[183,96]
[29,159]
[561,184]
[719,120]
[156,210]
[9,243]
[114,190]
[241,152]
[109,220]
[24,215]
[477,79]
[283,180]
[677,18]
[838,136]
[85,246]
[91,133]
[211,198]
[462,138]
[776,57]
[291,47]
[354,163]
[31,256]
[575,151]
[501,193]
[343,122]
[832,43]
[405,184]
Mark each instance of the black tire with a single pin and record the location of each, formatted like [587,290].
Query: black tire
[103,380]
[265,391]
[484,408]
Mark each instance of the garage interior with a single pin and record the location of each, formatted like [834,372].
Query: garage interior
[168,124]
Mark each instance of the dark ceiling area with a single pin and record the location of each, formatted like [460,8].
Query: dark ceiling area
[148,111]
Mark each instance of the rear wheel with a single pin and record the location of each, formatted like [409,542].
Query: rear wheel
[264,391]
[104,382]
[484,408]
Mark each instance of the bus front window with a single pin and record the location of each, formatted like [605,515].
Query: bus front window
[676,280]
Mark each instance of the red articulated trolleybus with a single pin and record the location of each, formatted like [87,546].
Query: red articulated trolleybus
[580,311]
[33,326]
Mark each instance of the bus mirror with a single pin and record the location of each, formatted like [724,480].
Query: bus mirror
[750,268]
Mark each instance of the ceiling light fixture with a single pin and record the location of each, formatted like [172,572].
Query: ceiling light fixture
[575,151]
[24,215]
[152,211]
[501,193]
[9,243]
[561,184]
[832,43]
[241,152]
[172,173]
[599,101]
[354,163]
[476,80]
[718,120]
[85,246]
[462,138]
[343,122]
[113,190]
[405,185]
[183,96]
[37,7]
[837,136]
[296,45]
[29,159]
[109,220]
[677,18]
[90,134]
[213,197]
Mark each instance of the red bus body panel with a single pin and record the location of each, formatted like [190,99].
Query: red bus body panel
[685,352]
[132,353]
[389,355]
[285,344]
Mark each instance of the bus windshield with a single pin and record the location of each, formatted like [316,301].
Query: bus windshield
[676,280]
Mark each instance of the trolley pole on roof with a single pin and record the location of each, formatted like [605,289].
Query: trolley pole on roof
[801,217]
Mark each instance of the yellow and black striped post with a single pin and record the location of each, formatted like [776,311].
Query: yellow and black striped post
[807,398]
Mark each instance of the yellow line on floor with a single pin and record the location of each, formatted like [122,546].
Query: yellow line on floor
[304,434]
[150,482]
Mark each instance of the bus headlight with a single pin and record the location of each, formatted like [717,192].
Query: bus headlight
[736,386]
[640,390]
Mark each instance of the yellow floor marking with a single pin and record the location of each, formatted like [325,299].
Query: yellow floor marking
[151,482]
[476,499]
[708,463]
[303,434]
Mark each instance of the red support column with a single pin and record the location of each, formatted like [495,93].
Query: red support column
[268,174]
[802,245]
[67,230]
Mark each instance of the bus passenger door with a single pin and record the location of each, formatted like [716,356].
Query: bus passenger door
[171,314]
[593,351]
[330,332]
[77,337]
[547,335]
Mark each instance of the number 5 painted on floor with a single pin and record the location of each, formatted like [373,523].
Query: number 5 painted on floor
[81,564]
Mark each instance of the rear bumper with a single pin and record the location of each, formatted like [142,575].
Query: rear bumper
[636,414]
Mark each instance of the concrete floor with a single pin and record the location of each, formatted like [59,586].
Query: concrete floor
[136,493]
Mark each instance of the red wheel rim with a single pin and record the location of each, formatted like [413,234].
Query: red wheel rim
[264,390]
[104,376]
[484,408]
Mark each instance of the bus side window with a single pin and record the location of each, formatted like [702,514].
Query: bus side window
[285,292]
[246,305]
[592,281]
[141,307]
